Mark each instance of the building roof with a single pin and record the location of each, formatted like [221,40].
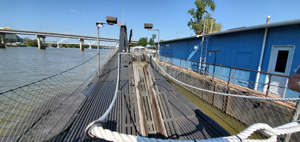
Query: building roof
[240,29]
[276,24]
[178,39]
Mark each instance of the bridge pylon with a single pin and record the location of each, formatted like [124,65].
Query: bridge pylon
[41,44]
[2,43]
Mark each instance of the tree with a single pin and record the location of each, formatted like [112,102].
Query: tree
[143,42]
[161,40]
[26,39]
[151,41]
[197,22]
[32,43]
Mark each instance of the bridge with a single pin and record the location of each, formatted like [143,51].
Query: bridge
[139,97]
[42,35]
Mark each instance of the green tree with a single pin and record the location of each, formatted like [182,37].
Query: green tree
[32,43]
[26,39]
[143,42]
[161,40]
[151,41]
[197,22]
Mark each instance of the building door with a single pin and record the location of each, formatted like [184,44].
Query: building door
[280,63]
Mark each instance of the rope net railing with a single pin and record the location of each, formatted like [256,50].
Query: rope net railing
[267,84]
[248,118]
[30,112]
[232,105]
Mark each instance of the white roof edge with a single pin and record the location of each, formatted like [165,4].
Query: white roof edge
[276,24]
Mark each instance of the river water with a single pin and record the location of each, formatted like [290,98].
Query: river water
[22,65]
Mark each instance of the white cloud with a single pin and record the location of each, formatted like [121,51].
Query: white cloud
[72,10]
[85,16]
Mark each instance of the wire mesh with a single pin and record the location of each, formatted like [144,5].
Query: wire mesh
[232,113]
[30,112]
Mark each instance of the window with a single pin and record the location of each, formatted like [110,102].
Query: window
[281,61]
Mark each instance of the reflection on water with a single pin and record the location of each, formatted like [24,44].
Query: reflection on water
[23,65]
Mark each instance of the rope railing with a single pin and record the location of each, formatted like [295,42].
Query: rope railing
[269,81]
[30,112]
[233,106]
[225,94]
[96,131]
[100,120]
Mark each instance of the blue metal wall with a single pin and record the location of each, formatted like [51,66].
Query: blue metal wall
[240,49]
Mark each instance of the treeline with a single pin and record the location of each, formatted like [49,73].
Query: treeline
[144,41]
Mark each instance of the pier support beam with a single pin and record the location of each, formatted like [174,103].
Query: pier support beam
[2,43]
[81,44]
[41,44]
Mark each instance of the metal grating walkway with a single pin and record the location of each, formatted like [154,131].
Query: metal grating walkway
[181,118]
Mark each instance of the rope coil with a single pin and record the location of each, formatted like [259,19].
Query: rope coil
[293,127]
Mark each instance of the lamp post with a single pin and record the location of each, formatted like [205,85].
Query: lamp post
[149,26]
[109,21]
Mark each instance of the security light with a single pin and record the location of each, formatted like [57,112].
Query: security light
[111,20]
[148,26]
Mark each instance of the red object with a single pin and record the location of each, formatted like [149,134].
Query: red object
[119,24]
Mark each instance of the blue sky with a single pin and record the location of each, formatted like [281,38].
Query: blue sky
[170,16]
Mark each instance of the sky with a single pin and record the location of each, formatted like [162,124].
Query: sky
[170,16]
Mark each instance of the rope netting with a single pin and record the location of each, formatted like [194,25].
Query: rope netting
[246,116]
[30,112]
[234,106]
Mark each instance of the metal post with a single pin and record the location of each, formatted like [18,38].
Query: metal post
[234,72]
[119,69]
[98,51]
[269,83]
[180,64]
[293,118]
[228,78]
[158,42]
[191,65]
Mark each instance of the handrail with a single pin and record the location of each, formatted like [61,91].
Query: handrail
[228,66]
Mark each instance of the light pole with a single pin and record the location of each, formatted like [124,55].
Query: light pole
[149,26]
[109,21]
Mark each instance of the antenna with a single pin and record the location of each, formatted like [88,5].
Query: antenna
[123,16]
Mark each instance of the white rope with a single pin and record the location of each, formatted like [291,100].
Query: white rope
[289,128]
[100,121]
[224,94]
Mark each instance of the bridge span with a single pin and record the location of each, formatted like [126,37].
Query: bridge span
[42,35]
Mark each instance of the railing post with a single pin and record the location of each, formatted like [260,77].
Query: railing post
[226,98]
[293,118]
[269,83]
[234,72]
[191,65]
[180,64]
[119,69]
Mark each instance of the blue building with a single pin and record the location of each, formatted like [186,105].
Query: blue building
[267,48]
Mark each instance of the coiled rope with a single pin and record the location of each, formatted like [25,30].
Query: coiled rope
[293,127]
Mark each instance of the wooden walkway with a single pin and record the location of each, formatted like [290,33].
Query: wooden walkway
[175,117]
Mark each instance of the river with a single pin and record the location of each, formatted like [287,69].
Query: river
[22,65]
